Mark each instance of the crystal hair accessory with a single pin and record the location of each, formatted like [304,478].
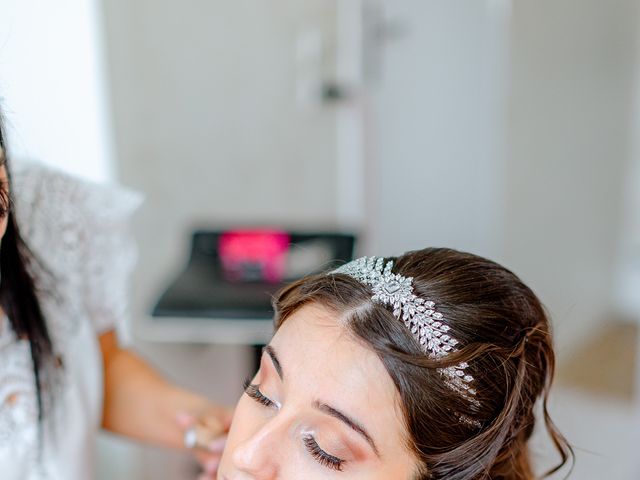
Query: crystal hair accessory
[426,324]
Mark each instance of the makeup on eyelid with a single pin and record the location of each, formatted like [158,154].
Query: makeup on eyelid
[334,442]
[329,433]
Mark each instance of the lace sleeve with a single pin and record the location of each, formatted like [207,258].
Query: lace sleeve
[110,256]
[81,233]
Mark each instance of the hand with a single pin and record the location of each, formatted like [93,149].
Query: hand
[206,435]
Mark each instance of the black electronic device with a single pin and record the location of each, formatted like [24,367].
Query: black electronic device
[212,286]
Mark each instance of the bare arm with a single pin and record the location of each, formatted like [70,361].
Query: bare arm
[140,404]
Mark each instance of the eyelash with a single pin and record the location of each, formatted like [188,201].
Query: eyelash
[253,391]
[323,458]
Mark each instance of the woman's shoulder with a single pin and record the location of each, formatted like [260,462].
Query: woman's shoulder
[59,213]
[40,188]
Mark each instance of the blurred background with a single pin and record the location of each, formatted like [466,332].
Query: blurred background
[507,128]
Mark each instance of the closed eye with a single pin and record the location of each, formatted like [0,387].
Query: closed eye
[323,458]
[253,391]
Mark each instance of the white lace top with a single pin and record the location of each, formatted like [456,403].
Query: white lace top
[79,233]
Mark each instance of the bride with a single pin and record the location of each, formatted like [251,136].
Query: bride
[425,366]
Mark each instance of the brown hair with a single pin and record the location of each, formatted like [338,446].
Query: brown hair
[505,336]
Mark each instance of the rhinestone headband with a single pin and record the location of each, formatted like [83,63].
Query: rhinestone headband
[426,325]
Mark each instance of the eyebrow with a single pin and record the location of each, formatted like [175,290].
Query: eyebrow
[351,423]
[274,358]
[327,409]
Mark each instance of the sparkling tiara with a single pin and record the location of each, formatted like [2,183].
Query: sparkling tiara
[426,325]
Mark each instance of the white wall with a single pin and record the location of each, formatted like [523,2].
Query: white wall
[52,84]
[503,128]
[438,133]
[570,110]
[627,299]
[207,123]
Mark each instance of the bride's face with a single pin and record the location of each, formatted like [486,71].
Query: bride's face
[321,406]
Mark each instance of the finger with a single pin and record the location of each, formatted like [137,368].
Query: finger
[185,420]
[205,458]
[217,445]
[220,419]
[211,467]
[204,438]
[213,423]
[227,418]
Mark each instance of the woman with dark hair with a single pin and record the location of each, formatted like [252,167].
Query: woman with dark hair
[65,259]
[425,366]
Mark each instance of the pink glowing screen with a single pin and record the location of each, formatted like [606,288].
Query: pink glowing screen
[248,255]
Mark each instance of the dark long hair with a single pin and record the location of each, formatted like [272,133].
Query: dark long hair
[506,340]
[18,296]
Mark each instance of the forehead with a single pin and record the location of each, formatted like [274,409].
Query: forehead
[322,361]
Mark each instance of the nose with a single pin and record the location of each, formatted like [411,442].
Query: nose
[259,455]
